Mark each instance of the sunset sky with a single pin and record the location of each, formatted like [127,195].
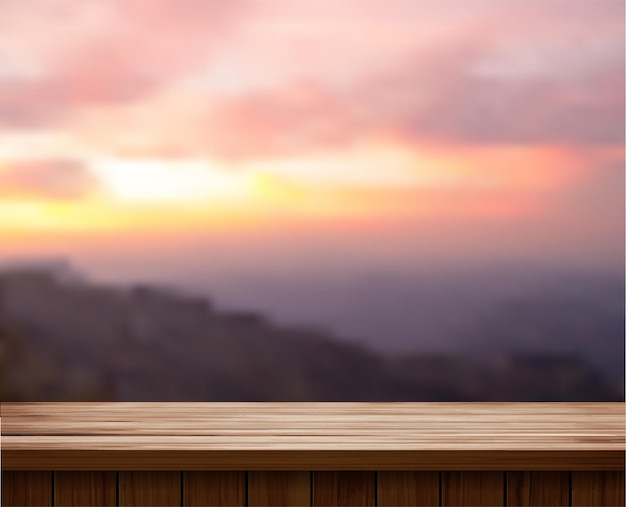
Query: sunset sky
[170,131]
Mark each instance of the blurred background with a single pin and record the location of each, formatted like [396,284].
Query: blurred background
[265,200]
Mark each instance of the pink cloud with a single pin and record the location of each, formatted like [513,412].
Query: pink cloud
[46,179]
[274,79]
[57,56]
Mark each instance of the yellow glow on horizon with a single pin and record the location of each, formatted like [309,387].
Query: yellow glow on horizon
[373,181]
[90,216]
[46,215]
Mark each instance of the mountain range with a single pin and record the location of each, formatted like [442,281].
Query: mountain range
[64,338]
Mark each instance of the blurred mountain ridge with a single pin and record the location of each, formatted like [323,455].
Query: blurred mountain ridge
[66,339]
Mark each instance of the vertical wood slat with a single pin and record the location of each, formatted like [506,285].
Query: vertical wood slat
[344,488]
[277,489]
[399,489]
[25,489]
[85,489]
[591,489]
[545,489]
[539,489]
[209,489]
[150,489]
[472,489]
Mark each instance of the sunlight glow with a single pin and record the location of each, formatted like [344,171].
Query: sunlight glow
[28,215]
[176,182]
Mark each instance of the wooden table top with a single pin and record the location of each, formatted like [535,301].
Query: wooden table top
[307,436]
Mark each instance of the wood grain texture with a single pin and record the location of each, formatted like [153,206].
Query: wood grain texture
[89,459]
[592,489]
[344,489]
[22,489]
[349,436]
[85,489]
[519,424]
[149,489]
[408,489]
[538,489]
[468,489]
[227,489]
[275,489]
[309,442]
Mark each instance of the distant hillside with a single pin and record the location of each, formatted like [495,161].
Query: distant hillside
[479,312]
[62,339]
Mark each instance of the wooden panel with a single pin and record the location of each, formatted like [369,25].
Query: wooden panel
[344,488]
[472,488]
[279,489]
[539,489]
[408,489]
[85,489]
[519,424]
[26,489]
[208,489]
[235,460]
[155,489]
[322,436]
[598,488]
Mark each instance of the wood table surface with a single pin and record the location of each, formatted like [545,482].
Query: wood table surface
[313,436]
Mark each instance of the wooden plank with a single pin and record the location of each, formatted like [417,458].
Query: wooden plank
[303,443]
[85,489]
[26,489]
[236,460]
[149,489]
[268,489]
[472,488]
[227,489]
[331,436]
[522,423]
[590,489]
[408,488]
[539,489]
[344,488]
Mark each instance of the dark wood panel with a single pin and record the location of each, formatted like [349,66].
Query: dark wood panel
[276,489]
[349,460]
[26,489]
[150,489]
[408,489]
[226,489]
[598,488]
[538,489]
[85,489]
[467,489]
[344,488]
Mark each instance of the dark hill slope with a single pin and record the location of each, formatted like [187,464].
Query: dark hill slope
[69,340]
